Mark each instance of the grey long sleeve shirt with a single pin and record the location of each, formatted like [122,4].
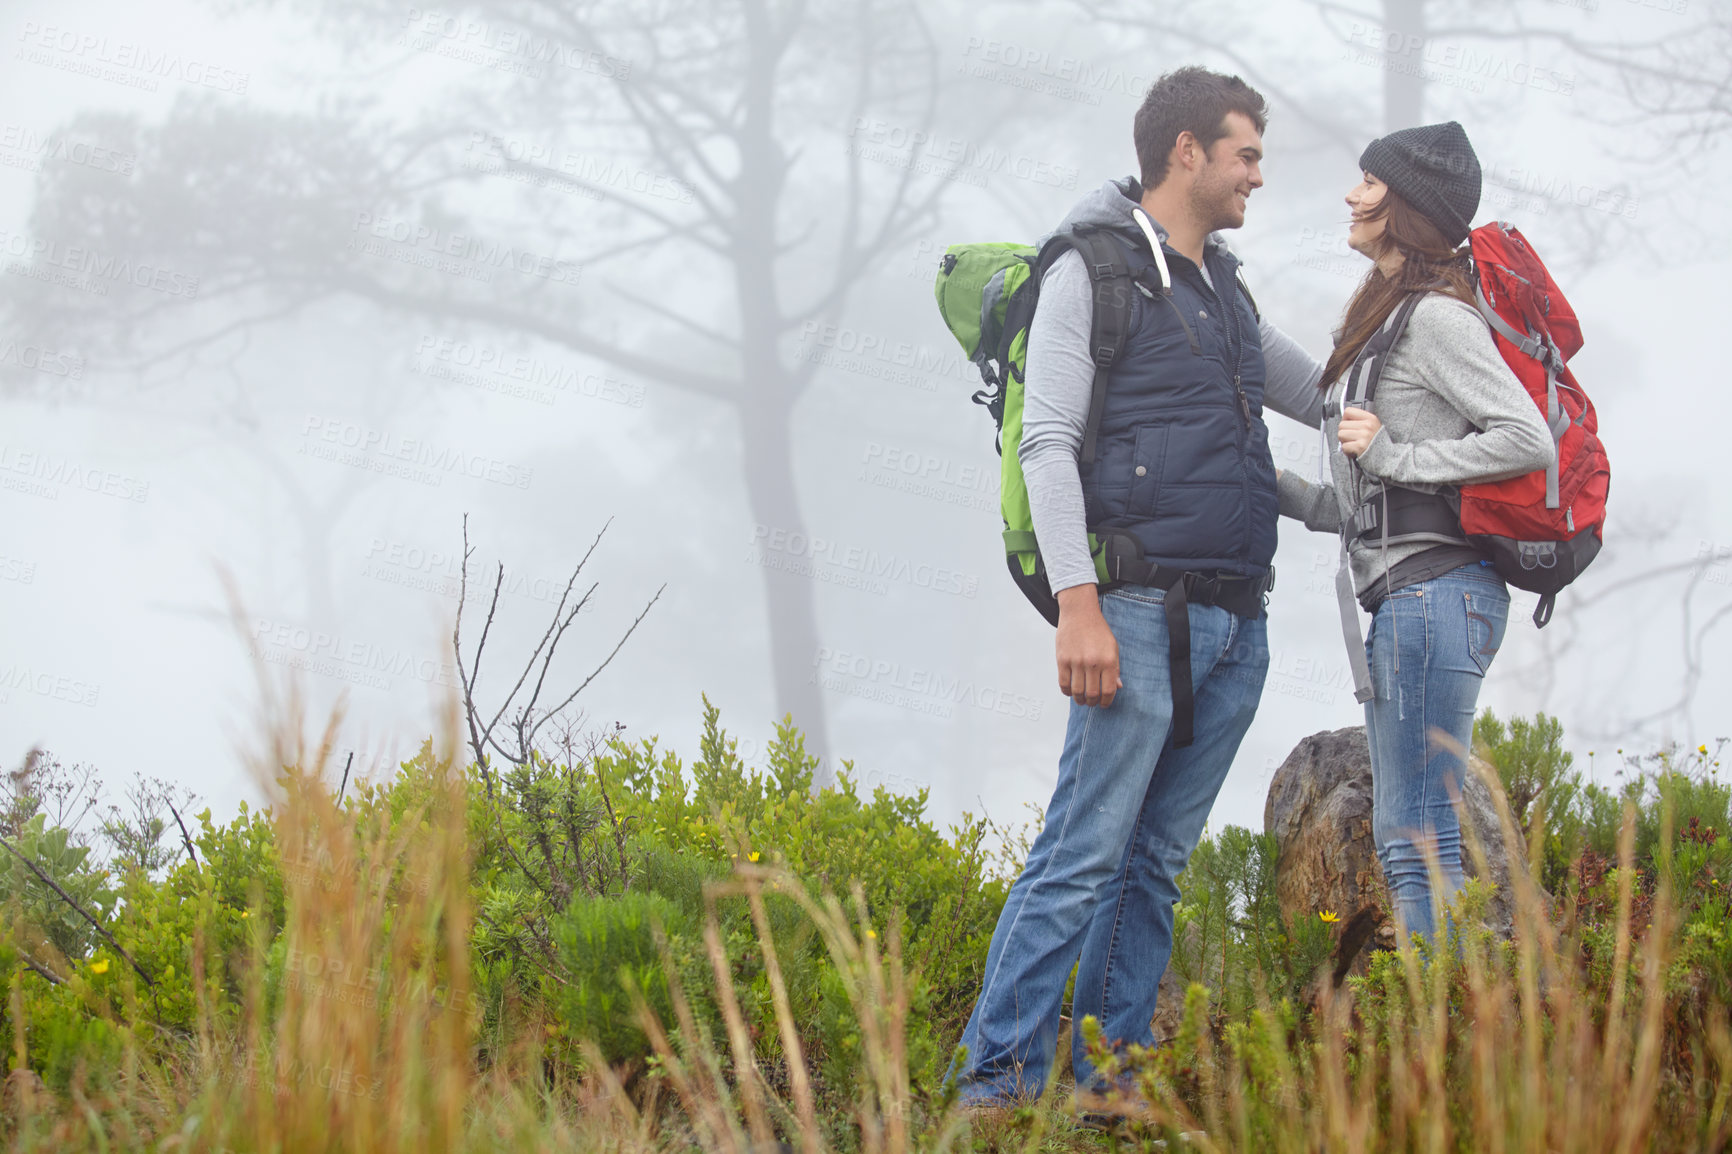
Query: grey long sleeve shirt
[1059,383]
[1451,412]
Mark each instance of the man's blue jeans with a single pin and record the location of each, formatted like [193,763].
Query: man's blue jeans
[1429,649]
[1126,814]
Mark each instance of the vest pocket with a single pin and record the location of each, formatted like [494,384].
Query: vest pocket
[1146,465]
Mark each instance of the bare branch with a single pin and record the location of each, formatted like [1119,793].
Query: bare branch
[610,656]
[546,637]
[467,680]
[186,839]
[80,910]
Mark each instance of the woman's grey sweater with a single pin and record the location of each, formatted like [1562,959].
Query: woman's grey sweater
[1451,411]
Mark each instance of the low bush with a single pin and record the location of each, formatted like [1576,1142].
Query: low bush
[622,950]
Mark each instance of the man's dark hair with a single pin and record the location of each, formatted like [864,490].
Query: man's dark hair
[1189,99]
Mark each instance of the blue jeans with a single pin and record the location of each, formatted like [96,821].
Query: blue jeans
[1126,814]
[1442,634]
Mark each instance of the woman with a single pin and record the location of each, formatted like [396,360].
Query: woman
[1448,411]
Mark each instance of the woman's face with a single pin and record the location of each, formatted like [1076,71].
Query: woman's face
[1362,234]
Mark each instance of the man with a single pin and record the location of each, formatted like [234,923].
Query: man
[1180,491]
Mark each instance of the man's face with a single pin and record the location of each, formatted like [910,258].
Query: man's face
[1229,174]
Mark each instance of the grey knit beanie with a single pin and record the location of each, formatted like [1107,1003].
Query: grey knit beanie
[1434,169]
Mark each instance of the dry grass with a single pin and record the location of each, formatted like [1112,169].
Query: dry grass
[372,1043]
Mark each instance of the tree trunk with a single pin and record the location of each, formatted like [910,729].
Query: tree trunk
[766,407]
[1405,53]
[789,596]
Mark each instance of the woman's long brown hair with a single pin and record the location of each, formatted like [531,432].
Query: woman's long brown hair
[1431,264]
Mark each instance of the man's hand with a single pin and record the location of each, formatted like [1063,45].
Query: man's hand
[1356,430]
[1088,653]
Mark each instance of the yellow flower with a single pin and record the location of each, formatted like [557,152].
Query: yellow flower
[1329,917]
[871,933]
[246,913]
[753,856]
[100,966]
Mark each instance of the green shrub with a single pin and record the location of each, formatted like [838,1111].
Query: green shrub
[607,947]
[1228,931]
[67,863]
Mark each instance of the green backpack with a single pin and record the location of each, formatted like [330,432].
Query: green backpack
[987,294]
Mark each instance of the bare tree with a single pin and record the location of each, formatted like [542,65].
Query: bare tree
[734,114]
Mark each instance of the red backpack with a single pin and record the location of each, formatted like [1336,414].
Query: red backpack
[1543,528]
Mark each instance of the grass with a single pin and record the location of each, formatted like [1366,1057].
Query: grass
[358,1023]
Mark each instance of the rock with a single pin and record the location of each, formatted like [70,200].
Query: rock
[1319,809]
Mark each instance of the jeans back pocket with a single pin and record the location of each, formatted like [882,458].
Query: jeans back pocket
[1487,615]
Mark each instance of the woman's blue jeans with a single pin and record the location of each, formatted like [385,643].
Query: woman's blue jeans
[1099,886]
[1429,649]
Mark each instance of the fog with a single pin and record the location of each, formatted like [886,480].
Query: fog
[290,290]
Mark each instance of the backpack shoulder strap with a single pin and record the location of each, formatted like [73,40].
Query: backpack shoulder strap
[1246,289]
[1110,277]
[1367,370]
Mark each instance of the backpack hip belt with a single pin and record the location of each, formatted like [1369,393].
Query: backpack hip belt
[1243,596]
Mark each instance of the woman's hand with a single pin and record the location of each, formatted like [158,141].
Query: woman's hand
[1356,430]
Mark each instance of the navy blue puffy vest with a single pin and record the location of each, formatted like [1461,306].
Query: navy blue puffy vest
[1180,463]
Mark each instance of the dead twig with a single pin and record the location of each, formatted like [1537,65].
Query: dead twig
[186,839]
[80,910]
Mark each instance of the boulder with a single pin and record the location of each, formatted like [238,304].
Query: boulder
[1319,809]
